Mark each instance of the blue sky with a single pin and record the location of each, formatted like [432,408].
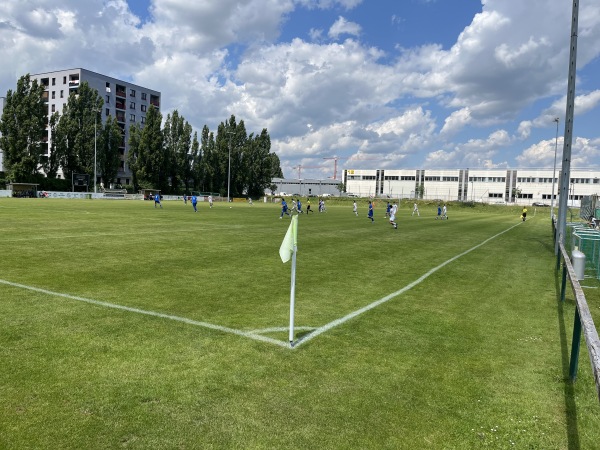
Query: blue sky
[377,84]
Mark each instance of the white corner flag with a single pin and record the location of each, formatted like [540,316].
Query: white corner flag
[288,249]
[289,241]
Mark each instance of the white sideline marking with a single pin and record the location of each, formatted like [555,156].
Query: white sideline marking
[250,335]
[387,298]
[254,334]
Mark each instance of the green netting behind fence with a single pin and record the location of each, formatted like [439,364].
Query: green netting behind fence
[588,242]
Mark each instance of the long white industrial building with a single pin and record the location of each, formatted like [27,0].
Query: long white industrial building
[480,185]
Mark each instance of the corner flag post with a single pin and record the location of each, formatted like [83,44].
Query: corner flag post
[288,250]
[293,292]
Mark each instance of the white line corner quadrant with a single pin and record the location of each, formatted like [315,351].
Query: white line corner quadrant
[256,334]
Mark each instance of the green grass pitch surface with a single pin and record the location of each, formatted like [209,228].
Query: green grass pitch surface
[475,355]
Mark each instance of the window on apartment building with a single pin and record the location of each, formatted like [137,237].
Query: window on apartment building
[53,108]
[132,118]
[144,96]
[53,81]
[53,94]
[64,80]
[126,180]
[107,112]
[121,165]
[132,92]
[132,105]
[143,120]
[108,99]
[143,108]
[62,94]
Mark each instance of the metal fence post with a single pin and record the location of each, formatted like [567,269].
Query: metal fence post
[575,346]
[563,286]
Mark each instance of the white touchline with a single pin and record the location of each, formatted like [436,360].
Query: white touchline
[341,320]
[250,335]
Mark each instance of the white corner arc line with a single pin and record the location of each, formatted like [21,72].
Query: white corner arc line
[389,297]
[211,326]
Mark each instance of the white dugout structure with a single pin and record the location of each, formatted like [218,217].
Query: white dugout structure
[524,186]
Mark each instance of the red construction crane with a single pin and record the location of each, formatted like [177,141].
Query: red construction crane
[358,157]
[335,160]
[300,167]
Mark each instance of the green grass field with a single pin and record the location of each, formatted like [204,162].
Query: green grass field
[125,326]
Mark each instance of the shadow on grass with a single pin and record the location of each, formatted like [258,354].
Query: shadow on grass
[569,387]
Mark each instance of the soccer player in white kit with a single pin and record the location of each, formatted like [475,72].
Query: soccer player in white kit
[393,211]
[416,210]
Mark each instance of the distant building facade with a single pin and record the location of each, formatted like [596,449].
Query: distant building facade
[480,185]
[305,187]
[126,101]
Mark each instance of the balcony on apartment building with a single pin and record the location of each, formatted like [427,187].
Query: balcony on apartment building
[120,91]
[120,116]
[45,82]
[155,101]
[45,96]
[73,81]
[120,104]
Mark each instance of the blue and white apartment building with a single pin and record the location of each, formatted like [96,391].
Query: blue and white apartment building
[525,186]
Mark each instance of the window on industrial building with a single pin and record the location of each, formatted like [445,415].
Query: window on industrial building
[132,93]
[492,195]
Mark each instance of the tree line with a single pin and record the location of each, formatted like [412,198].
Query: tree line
[168,157]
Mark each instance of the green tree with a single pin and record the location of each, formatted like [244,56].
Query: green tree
[341,187]
[194,159]
[23,128]
[108,150]
[78,128]
[206,166]
[133,155]
[177,134]
[259,164]
[51,163]
[147,158]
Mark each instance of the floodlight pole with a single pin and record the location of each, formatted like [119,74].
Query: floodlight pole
[563,187]
[95,148]
[554,172]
